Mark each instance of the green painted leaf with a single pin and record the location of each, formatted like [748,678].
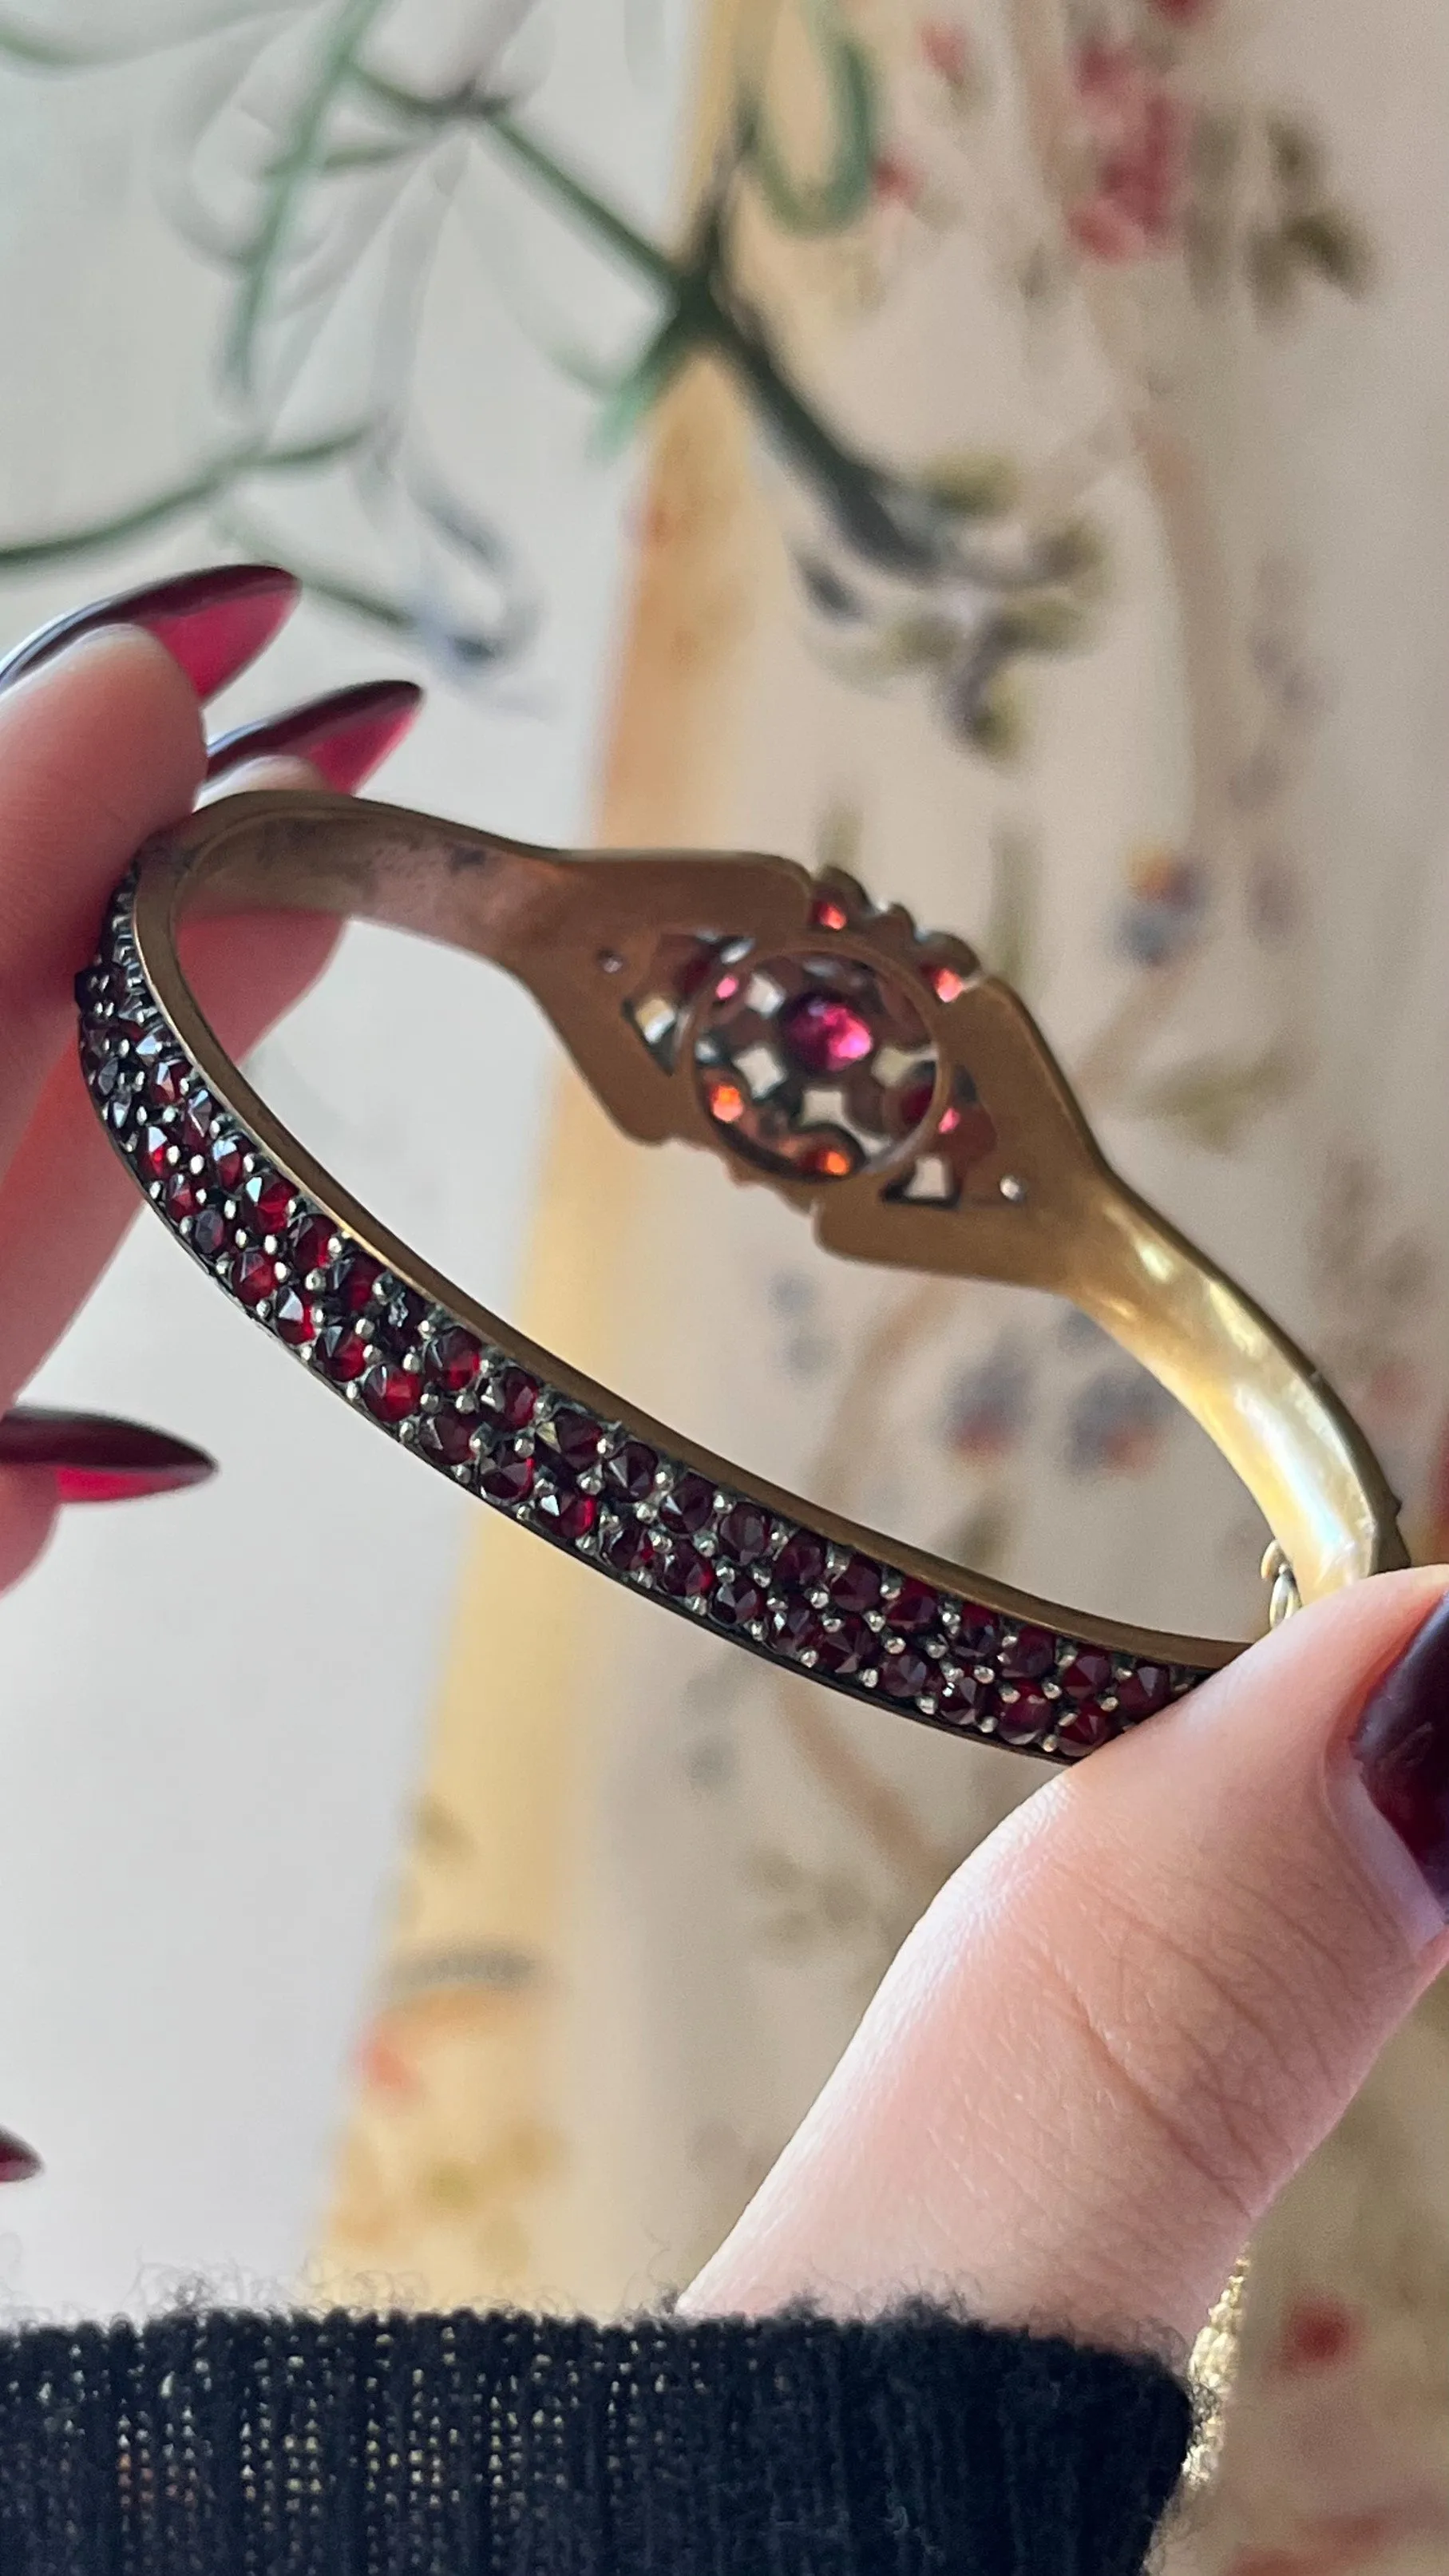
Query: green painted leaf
[65,53]
[198,492]
[295,166]
[604,221]
[634,397]
[364,156]
[995,720]
[1050,623]
[1075,552]
[972,483]
[842,192]
[1327,240]
[1295,154]
[920,642]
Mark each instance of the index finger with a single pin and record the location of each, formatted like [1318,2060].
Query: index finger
[97,750]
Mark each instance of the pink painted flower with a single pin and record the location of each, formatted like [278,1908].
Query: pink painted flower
[946,50]
[1117,1425]
[1166,903]
[384,2067]
[895,180]
[1317,2334]
[1136,135]
[986,1409]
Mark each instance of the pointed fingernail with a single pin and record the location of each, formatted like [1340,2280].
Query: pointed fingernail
[97,1459]
[1401,1749]
[344,736]
[212,622]
[18,2163]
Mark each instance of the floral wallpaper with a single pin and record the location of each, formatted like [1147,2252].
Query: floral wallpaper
[1044,469]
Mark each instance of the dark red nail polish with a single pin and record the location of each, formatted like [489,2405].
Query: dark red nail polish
[343,736]
[211,622]
[97,1459]
[1401,1746]
[18,2163]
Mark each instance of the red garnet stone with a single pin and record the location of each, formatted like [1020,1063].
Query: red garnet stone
[254,1276]
[632,1549]
[844,1647]
[745,1531]
[631,1471]
[965,1697]
[1025,1719]
[579,1438]
[914,1607]
[1088,1673]
[977,1635]
[857,1585]
[227,1154]
[209,1233]
[566,1514]
[824,1034]
[738,1600]
[799,1629]
[391,1393]
[168,1082]
[270,1199]
[1031,1653]
[685,1574]
[195,1128]
[449,1435]
[454,1359]
[515,1400]
[1145,1688]
[355,1281]
[152,1152]
[309,1245]
[508,1480]
[801,1562]
[905,1674]
[298,1319]
[1083,1727]
[344,1351]
[688,1504]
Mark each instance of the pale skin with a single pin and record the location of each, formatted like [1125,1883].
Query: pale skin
[1127,2018]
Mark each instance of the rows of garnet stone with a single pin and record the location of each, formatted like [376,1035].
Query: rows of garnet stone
[586,1483]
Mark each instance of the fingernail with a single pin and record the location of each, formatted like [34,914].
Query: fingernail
[18,2163]
[343,736]
[1401,1749]
[212,622]
[97,1459]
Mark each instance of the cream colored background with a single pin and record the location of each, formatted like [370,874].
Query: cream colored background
[212,1708]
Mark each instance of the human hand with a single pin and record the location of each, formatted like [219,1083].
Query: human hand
[1138,2006]
[101,743]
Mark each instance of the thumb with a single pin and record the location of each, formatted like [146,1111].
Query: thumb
[1137,2007]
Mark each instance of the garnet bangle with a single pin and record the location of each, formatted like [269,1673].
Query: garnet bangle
[871,1074]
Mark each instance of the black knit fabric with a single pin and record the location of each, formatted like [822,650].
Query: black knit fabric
[219,2444]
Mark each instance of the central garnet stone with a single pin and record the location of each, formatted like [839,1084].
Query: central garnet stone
[825,1034]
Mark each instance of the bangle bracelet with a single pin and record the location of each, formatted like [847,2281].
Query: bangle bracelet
[873,1075]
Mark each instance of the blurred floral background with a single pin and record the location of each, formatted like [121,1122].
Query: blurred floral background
[998,446]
